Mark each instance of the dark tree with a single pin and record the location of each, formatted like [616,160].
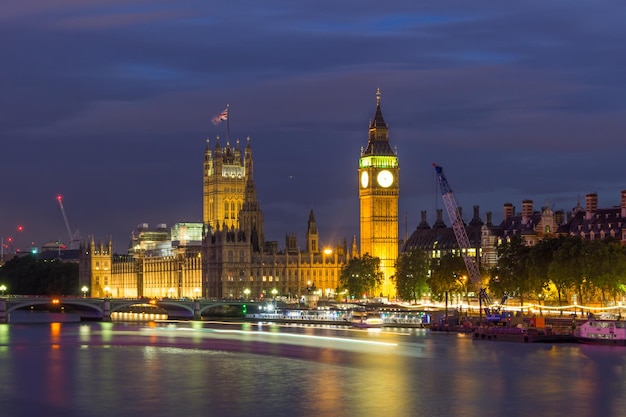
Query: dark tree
[412,274]
[26,275]
[448,275]
[512,269]
[361,276]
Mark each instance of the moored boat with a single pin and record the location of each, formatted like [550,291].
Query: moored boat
[525,334]
[366,319]
[602,332]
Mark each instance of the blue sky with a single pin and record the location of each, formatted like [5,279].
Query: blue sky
[110,103]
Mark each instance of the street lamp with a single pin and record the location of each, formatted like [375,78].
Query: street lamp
[170,292]
[84,290]
[247,292]
[3,288]
[107,290]
[196,292]
[274,292]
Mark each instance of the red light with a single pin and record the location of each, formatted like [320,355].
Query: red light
[20,228]
[59,197]
[9,239]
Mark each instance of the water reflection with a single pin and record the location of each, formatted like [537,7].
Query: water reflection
[194,368]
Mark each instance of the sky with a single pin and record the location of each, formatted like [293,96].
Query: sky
[109,103]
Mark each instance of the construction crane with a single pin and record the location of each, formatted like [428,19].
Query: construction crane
[73,237]
[492,314]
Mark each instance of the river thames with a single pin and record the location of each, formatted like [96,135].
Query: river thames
[243,369]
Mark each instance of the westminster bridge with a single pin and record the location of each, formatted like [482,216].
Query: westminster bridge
[101,308]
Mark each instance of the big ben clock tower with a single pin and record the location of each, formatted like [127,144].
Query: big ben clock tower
[378,195]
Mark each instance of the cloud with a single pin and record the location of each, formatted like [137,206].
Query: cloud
[110,103]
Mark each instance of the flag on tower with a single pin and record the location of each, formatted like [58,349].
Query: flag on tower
[222,116]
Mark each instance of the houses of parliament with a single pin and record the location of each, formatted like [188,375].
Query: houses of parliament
[227,256]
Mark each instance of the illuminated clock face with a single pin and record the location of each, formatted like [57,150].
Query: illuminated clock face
[365,179]
[385,178]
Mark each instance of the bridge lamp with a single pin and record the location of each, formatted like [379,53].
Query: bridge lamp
[274,292]
[84,290]
[107,290]
[196,291]
[247,292]
[3,288]
[170,292]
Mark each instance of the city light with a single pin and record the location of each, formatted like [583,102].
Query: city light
[84,290]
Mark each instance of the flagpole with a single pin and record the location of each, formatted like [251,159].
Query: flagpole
[227,123]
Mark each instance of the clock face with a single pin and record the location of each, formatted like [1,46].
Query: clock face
[365,179]
[385,178]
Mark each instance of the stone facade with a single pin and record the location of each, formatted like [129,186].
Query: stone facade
[379,190]
[230,259]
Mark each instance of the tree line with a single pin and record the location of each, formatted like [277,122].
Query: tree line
[552,270]
[27,275]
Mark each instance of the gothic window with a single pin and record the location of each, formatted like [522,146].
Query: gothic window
[230,256]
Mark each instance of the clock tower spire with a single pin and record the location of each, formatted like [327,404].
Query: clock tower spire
[378,196]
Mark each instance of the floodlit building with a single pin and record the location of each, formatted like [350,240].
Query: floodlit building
[379,190]
[225,256]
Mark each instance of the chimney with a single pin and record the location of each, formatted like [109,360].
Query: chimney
[623,203]
[591,205]
[527,210]
[439,222]
[476,221]
[508,210]
[424,223]
[488,218]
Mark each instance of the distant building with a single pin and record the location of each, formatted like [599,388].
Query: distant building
[532,225]
[592,223]
[440,240]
